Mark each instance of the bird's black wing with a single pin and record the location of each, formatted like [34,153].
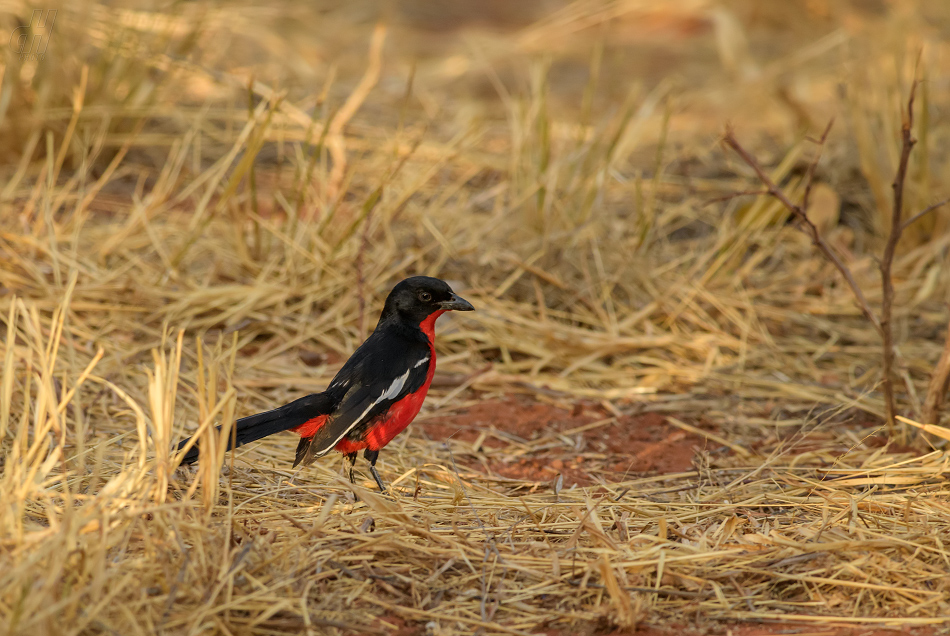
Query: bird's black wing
[385,369]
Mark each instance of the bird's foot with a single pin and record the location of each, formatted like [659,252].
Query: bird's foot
[379,481]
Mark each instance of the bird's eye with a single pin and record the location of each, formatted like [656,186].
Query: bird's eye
[425,296]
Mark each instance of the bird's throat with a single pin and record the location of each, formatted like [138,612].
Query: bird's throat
[428,326]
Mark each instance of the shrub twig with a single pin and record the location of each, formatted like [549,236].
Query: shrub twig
[923,213]
[887,260]
[800,212]
[941,374]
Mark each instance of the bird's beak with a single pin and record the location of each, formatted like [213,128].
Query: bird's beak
[456,303]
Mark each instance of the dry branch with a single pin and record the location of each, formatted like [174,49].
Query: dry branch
[923,213]
[898,225]
[887,260]
[800,212]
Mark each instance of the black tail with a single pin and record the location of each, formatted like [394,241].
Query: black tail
[255,427]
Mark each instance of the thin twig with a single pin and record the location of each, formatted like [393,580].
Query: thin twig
[887,260]
[735,195]
[810,174]
[923,213]
[774,191]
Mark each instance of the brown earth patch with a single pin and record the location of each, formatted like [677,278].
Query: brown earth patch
[520,438]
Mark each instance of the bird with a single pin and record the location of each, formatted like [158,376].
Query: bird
[375,394]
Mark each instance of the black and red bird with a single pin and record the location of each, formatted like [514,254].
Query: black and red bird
[376,394]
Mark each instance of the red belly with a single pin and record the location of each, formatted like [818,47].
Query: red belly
[389,425]
[394,421]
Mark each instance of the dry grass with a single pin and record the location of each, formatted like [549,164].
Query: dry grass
[202,210]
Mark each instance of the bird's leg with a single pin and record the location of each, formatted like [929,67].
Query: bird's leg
[352,458]
[371,456]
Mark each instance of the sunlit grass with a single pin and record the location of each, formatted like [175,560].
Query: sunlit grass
[202,208]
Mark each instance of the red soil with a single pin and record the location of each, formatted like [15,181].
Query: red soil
[535,441]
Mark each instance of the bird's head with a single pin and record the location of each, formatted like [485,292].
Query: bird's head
[418,297]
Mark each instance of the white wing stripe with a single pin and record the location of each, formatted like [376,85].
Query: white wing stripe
[391,392]
[421,362]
